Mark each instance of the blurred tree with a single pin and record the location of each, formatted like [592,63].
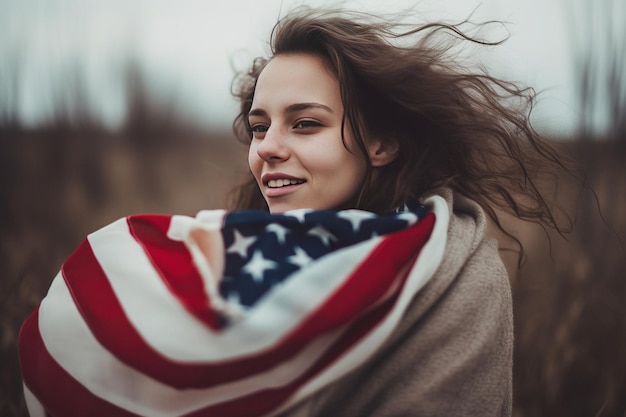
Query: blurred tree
[598,39]
[150,117]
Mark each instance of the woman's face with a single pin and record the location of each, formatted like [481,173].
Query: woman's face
[296,155]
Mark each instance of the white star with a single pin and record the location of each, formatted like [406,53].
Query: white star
[258,265]
[409,217]
[298,214]
[241,244]
[355,217]
[301,258]
[280,231]
[323,234]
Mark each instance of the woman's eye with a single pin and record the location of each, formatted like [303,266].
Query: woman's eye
[306,124]
[258,131]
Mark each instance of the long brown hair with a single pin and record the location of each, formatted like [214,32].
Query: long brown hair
[455,128]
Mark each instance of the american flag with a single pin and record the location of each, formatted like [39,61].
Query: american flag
[223,314]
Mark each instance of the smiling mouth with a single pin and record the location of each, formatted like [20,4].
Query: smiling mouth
[283,182]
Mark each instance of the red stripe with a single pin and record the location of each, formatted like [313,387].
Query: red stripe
[265,400]
[175,266]
[57,391]
[103,313]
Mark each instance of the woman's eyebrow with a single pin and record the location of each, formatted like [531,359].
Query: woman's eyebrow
[257,112]
[293,108]
[305,106]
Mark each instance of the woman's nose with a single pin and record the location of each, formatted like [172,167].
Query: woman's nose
[273,147]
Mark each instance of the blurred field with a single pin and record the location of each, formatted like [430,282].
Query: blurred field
[59,184]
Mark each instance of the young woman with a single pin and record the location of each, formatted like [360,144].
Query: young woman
[355,279]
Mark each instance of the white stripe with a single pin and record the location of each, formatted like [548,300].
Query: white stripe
[34,407]
[427,263]
[70,342]
[161,320]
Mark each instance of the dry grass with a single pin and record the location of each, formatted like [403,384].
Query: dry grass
[57,186]
[570,313]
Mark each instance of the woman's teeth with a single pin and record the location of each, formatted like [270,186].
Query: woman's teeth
[282,183]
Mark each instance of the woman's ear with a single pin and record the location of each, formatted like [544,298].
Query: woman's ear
[383,152]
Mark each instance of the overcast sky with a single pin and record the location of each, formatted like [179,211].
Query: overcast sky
[188,49]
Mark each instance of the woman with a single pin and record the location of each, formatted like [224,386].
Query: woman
[355,279]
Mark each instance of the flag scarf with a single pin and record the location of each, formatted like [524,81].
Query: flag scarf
[223,314]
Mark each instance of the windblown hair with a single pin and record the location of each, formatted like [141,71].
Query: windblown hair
[455,128]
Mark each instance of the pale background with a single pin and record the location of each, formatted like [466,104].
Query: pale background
[188,51]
